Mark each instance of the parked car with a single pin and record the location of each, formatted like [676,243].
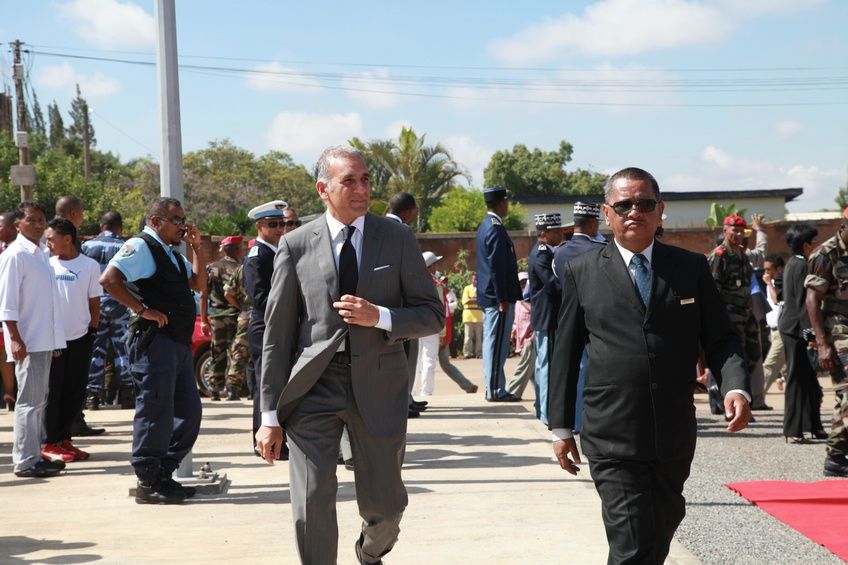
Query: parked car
[201,354]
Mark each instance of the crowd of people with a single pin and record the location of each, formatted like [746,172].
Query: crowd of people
[333,328]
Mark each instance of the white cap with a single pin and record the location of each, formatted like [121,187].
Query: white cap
[272,209]
[430,257]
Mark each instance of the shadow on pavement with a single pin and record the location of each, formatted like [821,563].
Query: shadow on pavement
[12,548]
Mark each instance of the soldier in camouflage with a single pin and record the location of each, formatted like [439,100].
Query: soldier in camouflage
[221,319]
[827,306]
[732,272]
[236,295]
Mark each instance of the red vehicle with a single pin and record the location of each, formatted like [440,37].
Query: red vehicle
[201,355]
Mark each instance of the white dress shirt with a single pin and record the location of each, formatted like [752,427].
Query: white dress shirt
[337,238]
[29,297]
[627,256]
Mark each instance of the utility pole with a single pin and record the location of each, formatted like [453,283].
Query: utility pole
[24,174]
[86,142]
[171,165]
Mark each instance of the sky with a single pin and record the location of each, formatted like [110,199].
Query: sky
[705,94]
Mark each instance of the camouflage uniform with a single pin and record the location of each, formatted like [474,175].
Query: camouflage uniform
[829,274]
[223,319]
[239,353]
[732,273]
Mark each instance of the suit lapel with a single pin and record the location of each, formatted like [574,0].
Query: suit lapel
[617,272]
[371,243]
[662,270]
[323,250]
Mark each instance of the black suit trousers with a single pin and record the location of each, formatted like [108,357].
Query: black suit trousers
[642,505]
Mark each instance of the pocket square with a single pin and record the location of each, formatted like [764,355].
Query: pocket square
[381,267]
[684,301]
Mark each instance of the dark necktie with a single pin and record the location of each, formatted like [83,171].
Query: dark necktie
[643,277]
[348,269]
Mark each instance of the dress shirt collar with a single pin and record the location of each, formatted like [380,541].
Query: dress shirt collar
[29,246]
[152,233]
[490,213]
[336,226]
[393,217]
[266,244]
[627,255]
[587,236]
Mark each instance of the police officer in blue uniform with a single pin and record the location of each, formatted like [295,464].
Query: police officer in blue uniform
[545,301]
[167,410]
[258,268]
[497,292]
[586,238]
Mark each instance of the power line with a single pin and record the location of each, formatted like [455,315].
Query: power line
[119,130]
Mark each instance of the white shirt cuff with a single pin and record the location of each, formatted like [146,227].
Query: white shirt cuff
[385,321]
[269,418]
[742,392]
[561,434]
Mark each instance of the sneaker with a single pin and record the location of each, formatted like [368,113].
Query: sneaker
[41,469]
[55,452]
[79,454]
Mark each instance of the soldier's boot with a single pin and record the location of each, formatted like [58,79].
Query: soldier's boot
[232,393]
[835,465]
[215,394]
[126,397]
[92,400]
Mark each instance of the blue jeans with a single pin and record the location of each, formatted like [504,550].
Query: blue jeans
[496,329]
[581,379]
[544,344]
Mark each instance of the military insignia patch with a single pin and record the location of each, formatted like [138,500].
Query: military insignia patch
[254,251]
[126,251]
[496,221]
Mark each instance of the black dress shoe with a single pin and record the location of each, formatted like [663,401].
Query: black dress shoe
[414,413]
[510,398]
[81,428]
[216,396]
[348,464]
[170,485]
[420,404]
[820,434]
[835,466]
[155,493]
[41,469]
[232,393]
[762,407]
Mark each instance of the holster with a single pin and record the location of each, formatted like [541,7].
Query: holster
[140,333]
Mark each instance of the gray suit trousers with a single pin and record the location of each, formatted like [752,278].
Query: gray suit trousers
[314,431]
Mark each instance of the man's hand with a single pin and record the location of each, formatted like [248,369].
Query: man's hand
[828,359]
[155,316]
[737,411]
[269,440]
[757,221]
[19,351]
[205,328]
[502,306]
[357,311]
[192,236]
[562,449]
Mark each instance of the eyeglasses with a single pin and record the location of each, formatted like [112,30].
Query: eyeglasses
[623,207]
[282,223]
[175,221]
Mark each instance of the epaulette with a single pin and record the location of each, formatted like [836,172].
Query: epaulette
[496,221]
[254,251]
[542,247]
[719,250]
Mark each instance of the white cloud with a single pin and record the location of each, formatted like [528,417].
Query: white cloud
[718,169]
[470,155]
[628,27]
[273,77]
[305,135]
[110,23]
[787,129]
[64,78]
[373,89]
[392,131]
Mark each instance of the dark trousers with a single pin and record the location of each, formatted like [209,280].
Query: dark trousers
[642,505]
[803,392]
[167,407]
[68,379]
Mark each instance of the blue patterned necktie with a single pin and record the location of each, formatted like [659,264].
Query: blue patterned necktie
[643,277]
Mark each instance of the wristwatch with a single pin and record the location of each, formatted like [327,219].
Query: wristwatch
[144,309]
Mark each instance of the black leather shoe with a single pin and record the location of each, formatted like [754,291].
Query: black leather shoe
[414,413]
[232,393]
[835,466]
[92,400]
[216,396]
[41,469]
[170,485]
[420,404]
[155,493]
[762,407]
[81,428]
[510,398]
[348,464]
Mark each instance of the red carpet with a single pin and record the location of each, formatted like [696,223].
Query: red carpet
[818,510]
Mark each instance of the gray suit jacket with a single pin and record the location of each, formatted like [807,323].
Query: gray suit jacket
[303,330]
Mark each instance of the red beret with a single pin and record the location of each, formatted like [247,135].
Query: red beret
[735,221]
[845,212]
[232,240]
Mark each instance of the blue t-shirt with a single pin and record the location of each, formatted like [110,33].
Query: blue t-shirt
[135,260]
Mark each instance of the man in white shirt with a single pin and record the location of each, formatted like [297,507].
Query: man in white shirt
[32,331]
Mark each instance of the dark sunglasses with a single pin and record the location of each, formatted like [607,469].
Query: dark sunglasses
[623,207]
[175,221]
[293,223]
[282,223]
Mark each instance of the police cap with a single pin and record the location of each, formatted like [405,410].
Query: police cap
[272,209]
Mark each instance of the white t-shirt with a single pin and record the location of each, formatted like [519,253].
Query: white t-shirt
[77,280]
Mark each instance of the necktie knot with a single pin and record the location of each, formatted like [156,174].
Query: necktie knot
[640,261]
[348,232]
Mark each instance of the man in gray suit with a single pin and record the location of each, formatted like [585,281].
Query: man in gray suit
[347,289]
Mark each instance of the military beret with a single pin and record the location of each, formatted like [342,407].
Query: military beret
[735,221]
[232,240]
[587,210]
[845,213]
[272,209]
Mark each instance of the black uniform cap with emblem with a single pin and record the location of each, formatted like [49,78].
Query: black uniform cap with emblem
[587,210]
[494,194]
[549,221]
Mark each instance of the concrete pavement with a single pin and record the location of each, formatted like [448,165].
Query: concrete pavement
[483,488]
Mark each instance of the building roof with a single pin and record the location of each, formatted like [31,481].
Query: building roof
[788,194]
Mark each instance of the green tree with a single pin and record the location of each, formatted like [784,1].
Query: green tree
[532,173]
[462,211]
[38,125]
[719,212]
[842,196]
[79,109]
[57,126]
[428,172]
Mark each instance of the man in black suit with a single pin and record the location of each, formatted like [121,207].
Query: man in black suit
[641,309]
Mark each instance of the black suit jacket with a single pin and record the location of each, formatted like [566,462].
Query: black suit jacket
[640,372]
[794,317]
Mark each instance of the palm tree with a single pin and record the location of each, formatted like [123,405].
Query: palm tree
[408,165]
